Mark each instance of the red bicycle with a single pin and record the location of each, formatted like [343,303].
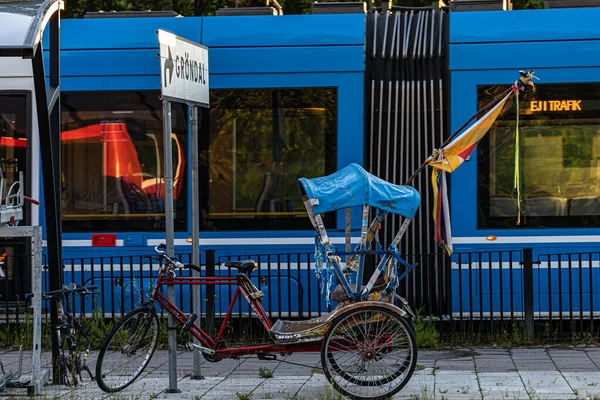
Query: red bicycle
[368,349]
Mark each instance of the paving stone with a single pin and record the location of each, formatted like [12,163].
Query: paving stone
[584,382]
[453,377]
[458,385]
[545,382]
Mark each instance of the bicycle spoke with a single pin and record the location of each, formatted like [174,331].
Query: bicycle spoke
[369,353]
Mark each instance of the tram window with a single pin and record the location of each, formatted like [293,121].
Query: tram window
[261,141]
[14,134]
[112,162]
[559,131]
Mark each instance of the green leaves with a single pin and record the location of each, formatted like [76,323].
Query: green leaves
[78,8]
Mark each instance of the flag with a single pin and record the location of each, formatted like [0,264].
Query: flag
[448,159]
[458,150]
[441,212]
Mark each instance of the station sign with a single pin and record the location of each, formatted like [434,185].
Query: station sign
[183,70]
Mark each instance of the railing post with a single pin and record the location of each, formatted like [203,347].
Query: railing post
[528,293]
[210,293]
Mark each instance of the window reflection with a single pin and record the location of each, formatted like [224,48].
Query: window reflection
[14,129]
[560,159]
[112,158]
[261,141]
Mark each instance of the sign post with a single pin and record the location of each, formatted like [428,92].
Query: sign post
[184,79]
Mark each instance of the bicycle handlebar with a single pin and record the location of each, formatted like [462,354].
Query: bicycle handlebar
[162,255]
[33,201]
[65,290]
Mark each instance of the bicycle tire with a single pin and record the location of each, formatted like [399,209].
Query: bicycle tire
[142,320]
[350,335]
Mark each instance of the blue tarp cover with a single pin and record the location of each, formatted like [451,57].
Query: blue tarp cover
[353,186]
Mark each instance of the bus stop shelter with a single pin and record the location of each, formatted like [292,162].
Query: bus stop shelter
[22,70]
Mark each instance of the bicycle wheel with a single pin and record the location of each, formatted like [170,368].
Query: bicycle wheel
[127,350]
[369,353]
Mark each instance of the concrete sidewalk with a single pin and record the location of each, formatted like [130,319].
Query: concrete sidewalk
[535,373]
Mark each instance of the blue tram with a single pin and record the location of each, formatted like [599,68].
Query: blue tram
[559,156]
[306,95]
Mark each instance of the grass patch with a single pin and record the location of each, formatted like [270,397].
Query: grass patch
[265,373]
[426,332]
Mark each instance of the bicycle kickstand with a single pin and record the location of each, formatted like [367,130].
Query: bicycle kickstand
[87,369]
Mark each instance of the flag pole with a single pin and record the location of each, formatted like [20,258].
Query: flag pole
[463,126]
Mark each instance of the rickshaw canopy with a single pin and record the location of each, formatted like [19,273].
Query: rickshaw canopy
[353,186]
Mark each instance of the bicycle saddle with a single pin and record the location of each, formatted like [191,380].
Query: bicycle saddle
[242,266]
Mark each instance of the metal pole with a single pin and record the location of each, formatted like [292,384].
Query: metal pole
[169,230]
[36,288]
[348,234]
[528,293]
[49,134]
[196,309]
[210,293]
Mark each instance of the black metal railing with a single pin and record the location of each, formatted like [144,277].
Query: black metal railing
[482,293]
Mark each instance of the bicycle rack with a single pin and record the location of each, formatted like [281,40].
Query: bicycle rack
[11,201]
[8,378]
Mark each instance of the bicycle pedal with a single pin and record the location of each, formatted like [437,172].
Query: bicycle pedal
[188,323]
[193,346]
[269,357]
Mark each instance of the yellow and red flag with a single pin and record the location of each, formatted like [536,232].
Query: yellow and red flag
[448,159]
[458,150]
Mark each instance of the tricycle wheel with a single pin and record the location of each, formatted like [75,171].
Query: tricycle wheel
[369,353]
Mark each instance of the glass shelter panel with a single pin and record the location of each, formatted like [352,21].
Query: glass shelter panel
[112,162]
[559,129]
[261,141]
[15,150]
[14,137]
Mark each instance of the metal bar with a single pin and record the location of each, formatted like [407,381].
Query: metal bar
[289,285]
[132,280]
[560,297]
[122,286]
[210,293]
[49,135]
[480,271]
[36,288]
[528,292]
[501,291]
[379,126]
[570,266]
[591,288]
[385,32]
[279,285]
[581,293]
[549,295]
[196,299]
[300,291]
[348,233]
[308,285]
[169,230]
[470,293]
[460,289]
[426,246]
[269,302]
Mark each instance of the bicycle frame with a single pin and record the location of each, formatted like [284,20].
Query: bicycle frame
[244,287]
